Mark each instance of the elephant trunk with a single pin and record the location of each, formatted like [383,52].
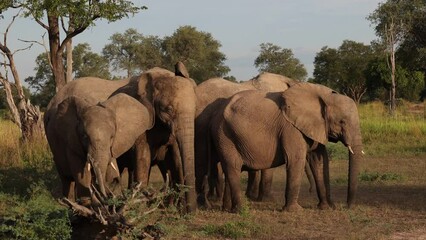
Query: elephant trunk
[185,140]
[100,165]
[355,158]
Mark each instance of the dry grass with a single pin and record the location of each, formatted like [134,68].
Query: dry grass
[384,209]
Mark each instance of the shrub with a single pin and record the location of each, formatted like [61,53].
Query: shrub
[38,217]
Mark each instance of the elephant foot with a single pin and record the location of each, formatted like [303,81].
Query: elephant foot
[252,197]
[323,206]
[203,202]
[292,207]
[326,206]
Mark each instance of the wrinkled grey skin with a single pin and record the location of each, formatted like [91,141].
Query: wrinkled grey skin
[211,94]
[261,130]
[169,95]
[105,131]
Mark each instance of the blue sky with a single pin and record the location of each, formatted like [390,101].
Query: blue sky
[305,26]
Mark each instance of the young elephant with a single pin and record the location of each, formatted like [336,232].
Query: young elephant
[261,130]
[96,135]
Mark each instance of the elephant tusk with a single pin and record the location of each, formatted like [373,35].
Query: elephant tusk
[350,149]
[362,152]
[89,166]
[114,167]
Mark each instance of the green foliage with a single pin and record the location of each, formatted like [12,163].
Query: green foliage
[83,12]
[275,59]
[43,83]
[132,52]
[198,50]
[37,217]
[3,101]
[234,230]
[343,69]
[410,83]
[87,63]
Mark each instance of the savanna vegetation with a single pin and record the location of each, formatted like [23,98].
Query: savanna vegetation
[386,76]
[390,201]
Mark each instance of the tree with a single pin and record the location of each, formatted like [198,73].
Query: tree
[410,83]
[343,69]
[43,83]
[25,115]
[198,50]
[122,51]
[87,63]
[133,52]
[77,15]
[327,67]
[393,20]
[275,59]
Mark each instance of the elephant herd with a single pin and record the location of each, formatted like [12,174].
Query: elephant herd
[108,134]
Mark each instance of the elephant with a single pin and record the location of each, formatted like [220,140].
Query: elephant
[261,130]
[211,94]
[169,96]
[96,135]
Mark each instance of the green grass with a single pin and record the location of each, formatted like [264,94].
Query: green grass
[402,135]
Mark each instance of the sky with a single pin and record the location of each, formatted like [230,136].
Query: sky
[304,26]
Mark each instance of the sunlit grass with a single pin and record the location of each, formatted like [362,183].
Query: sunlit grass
[403,134]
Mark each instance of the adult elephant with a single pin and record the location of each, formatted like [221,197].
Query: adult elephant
[261,130]
[170,96]
[211,94]
[101,133]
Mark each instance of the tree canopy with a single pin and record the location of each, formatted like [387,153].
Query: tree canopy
[198,50]
[274,59]
[132,52]
[74,17]
[343,69]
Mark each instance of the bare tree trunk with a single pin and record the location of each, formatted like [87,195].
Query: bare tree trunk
[69,51]
[391,41]
[69,61]
[25,115]
[55,53]
[10,102]
[393,84]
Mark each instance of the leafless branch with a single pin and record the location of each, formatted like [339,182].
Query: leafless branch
[43,44]
[23,49]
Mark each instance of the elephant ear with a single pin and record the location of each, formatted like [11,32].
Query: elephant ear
[180,70]
[132,119]
[304,108]
[70,110]
[68,117]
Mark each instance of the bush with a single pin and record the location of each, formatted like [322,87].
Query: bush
[38,217]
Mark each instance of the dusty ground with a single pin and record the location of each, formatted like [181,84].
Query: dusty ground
[393,208]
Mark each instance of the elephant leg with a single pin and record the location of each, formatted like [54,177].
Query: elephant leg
[68,188]
[265,186]
[316,161]
[295,167]
[83,179]
[143,161]
[220,181]
[253,182]
[227,202]
[309,175]
[232,180]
